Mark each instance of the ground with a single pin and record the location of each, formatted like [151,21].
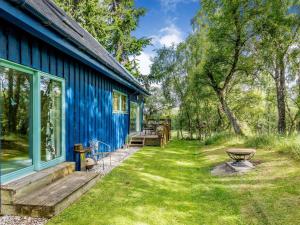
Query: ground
[173,185]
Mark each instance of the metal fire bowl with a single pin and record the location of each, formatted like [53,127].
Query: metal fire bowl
[241,154]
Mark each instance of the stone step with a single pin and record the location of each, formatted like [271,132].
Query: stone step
[52,199]
[26,185]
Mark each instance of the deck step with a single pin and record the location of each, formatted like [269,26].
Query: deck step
[52,199]
[26,185]
[136,145]
[137,141]
[137,138]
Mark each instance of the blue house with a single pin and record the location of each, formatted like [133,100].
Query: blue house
[58,87]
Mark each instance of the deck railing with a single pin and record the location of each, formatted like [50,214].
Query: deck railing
[161,127]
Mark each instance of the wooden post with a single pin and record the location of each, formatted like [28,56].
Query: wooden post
[78,148]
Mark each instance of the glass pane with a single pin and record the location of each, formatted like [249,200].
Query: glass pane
[15,108]
[133,116]
[116,100]
[124,103]
[51,119]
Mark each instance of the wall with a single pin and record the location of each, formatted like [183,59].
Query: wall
[88,93]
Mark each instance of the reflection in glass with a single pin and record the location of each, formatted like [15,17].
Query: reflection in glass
[133,117]
[116,100]
[15,109]
[51,119]
[124,103]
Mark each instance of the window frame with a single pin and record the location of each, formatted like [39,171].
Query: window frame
[37,163]
[120,94]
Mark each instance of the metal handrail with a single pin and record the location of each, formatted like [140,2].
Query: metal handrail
[109,150]
[105,144]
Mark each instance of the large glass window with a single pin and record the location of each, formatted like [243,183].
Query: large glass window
[16,114]
[31,120]
[119,102]
[51,118]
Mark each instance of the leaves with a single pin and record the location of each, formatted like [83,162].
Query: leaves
[111,22]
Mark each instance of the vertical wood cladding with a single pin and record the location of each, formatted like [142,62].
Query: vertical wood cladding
[88,92]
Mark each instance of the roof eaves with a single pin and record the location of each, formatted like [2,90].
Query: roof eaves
[24,4]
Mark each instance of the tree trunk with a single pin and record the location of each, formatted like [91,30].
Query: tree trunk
[280,94]
[220,120]
[230,115]
[190,125]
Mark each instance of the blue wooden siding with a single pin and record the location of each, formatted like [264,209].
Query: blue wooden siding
[88,93]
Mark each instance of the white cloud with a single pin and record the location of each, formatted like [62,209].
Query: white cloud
[170,35]
[167,36]
[172,4]
[144,62]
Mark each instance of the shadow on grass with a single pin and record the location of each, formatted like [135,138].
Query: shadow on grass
[173,185]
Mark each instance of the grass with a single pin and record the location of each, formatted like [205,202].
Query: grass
[174,186]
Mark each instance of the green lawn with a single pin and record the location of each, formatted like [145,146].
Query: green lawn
[174,186]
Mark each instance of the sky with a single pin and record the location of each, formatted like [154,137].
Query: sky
[166,22]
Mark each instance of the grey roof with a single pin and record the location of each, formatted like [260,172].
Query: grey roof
[53,16]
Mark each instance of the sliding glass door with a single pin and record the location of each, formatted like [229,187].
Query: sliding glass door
[16,123]
[134,117]
[32,120]
[51,118]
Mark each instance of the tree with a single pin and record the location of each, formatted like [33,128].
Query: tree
[111,22]
[169,70]
[226,27]
[278,32]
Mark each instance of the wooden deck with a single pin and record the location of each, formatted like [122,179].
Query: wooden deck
[47,192]
[151,140]
[141,139]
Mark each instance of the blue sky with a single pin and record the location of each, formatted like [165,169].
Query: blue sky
[166,22]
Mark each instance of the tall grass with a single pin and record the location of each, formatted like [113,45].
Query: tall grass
[283,144]
[223,138]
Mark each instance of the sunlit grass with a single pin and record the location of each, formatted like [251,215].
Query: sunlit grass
[173,185]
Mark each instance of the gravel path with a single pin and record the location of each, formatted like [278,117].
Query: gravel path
[104,167]
[18,220]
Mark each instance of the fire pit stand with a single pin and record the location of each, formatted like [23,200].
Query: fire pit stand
[240,157]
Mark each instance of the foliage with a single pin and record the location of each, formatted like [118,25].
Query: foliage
[237,71]
[111,22]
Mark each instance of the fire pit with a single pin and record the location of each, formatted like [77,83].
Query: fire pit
[240,157]
[240,163]
[240,154]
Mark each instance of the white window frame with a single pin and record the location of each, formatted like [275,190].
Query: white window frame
[120,94]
